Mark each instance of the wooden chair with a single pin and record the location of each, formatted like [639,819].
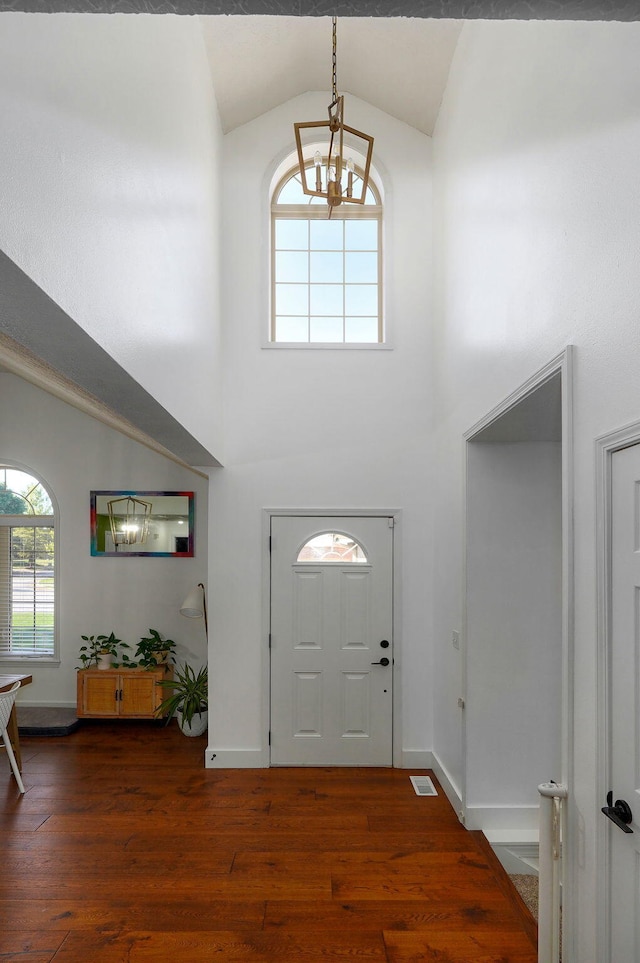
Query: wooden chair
[7,700]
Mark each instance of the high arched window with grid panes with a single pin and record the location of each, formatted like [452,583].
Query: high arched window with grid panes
[326,272]
[27,567]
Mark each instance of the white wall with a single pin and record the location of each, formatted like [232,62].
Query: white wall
[74,454]
[320,428]
[537,241]
[514,629]
[109,168]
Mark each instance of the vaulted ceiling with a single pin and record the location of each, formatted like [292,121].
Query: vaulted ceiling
[394,54]
[398,64]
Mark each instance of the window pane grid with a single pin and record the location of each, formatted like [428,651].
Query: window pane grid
[325,272]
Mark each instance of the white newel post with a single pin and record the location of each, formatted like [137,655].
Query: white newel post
[549,863]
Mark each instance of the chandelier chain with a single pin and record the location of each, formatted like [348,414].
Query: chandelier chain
[335,59]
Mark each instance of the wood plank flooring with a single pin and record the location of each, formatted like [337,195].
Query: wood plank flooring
[125,848]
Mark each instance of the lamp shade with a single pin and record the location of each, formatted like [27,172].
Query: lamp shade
[193,605]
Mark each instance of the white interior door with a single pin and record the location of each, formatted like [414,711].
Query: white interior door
[331,641]
[624,700]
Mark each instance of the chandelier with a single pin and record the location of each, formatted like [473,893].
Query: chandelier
[129,520]
[328,161]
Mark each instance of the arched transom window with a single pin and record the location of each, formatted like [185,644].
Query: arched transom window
[326,272]
[332,547]
[27,567]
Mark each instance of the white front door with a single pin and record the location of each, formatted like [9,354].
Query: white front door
[624,700]
[331,641]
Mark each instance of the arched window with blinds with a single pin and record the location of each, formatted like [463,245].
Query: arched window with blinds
[27,567]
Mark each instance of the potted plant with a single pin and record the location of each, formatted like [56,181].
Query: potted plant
[188,700]
[153,650]
[100,650]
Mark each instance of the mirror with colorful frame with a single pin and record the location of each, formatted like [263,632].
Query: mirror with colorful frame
[142,523]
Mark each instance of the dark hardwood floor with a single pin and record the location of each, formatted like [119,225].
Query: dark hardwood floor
[125,848]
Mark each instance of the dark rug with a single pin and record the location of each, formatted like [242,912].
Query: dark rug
[46,721]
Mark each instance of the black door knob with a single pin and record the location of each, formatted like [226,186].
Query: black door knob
[383,661]
[384,644]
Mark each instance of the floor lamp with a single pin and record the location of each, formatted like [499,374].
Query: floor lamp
[195,606]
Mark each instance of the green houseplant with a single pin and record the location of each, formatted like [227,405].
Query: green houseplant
[153,650]
[189,699]
[101,651]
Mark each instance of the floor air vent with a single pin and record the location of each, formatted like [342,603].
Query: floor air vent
[423,786]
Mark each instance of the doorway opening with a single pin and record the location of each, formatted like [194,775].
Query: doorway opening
[517,675]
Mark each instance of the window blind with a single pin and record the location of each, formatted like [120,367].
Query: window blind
[27,578]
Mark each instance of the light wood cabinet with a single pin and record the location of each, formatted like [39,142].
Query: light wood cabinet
[121,693]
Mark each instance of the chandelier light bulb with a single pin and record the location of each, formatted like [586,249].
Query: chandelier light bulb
[317,160]
[350,169]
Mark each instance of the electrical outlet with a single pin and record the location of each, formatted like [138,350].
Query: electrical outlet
[455,640]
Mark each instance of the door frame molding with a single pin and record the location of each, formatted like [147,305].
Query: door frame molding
[396,514]
[605,448]
[561,364]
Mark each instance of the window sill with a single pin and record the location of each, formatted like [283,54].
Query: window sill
[24,662]
[324,346]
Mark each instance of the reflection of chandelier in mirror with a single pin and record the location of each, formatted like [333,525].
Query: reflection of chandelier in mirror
[129,520]
[329,162]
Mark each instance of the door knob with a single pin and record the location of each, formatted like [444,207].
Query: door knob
[383,661]
[384,644]
[620,814]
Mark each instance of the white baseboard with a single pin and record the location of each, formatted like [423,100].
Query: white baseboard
[416,759]
[516,850]
[512,832]
[515,820]
[451,791]
[236,758]
[46,705]
[518,857]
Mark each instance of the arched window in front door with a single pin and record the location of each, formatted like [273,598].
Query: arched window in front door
[332,547]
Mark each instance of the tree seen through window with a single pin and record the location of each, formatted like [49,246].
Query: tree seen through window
[27,567]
